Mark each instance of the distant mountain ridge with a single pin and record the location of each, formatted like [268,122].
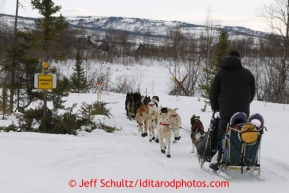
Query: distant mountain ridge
[135,26]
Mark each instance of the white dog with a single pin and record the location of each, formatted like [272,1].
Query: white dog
[151,120]
[176,123]
[154,103]
[164,131]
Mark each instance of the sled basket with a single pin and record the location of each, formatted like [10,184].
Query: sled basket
[242,141]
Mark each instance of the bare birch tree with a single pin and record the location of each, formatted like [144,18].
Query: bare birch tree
[277,16]
[211,32]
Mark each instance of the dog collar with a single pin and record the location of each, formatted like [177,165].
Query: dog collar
[165,124]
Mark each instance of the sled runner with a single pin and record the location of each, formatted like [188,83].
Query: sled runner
[241,143]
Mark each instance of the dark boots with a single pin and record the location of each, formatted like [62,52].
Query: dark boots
[215,166]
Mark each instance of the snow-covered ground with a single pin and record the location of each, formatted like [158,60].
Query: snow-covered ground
[46,163]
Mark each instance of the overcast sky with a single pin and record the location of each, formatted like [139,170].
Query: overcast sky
[225,12]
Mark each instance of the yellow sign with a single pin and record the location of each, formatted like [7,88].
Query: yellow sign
[45,64]
[45,81]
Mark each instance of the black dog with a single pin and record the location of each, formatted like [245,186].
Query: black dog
[129,105]
[197,130]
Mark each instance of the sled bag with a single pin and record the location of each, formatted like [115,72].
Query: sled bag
[204,146]
[248,133]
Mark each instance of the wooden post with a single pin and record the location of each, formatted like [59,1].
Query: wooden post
[180,85]
[44,71]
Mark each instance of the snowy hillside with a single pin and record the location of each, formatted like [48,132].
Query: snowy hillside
[97,161]
[136,26]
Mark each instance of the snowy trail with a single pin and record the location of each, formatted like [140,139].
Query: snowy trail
[186,165]
[34,162]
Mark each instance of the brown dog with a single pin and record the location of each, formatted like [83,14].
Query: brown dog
[197,130]
[142,114]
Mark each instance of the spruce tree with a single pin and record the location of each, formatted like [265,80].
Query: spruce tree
[22,55]
[50,29]
[78,79]
[4,102]
[63,87]
[222,49]
[50,34]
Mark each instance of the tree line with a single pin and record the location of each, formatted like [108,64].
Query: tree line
[194,56]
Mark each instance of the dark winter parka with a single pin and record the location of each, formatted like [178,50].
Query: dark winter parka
[232,89]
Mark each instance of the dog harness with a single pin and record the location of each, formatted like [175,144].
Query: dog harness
[197,125]
[143,109]
[165,124]
[151,105]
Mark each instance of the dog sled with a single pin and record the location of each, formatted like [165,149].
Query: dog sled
[207,145]
[241,143]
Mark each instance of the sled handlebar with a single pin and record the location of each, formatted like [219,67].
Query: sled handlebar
[216,114]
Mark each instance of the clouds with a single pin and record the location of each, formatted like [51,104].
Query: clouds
[77,12]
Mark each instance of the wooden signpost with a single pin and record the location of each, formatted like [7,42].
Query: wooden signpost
[180,86]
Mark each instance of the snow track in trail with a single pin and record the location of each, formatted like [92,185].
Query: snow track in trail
[271,167]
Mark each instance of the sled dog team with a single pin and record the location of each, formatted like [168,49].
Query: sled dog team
[165,120]
[167,123]
[236,144]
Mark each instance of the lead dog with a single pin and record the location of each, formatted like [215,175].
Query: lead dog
[197,130]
